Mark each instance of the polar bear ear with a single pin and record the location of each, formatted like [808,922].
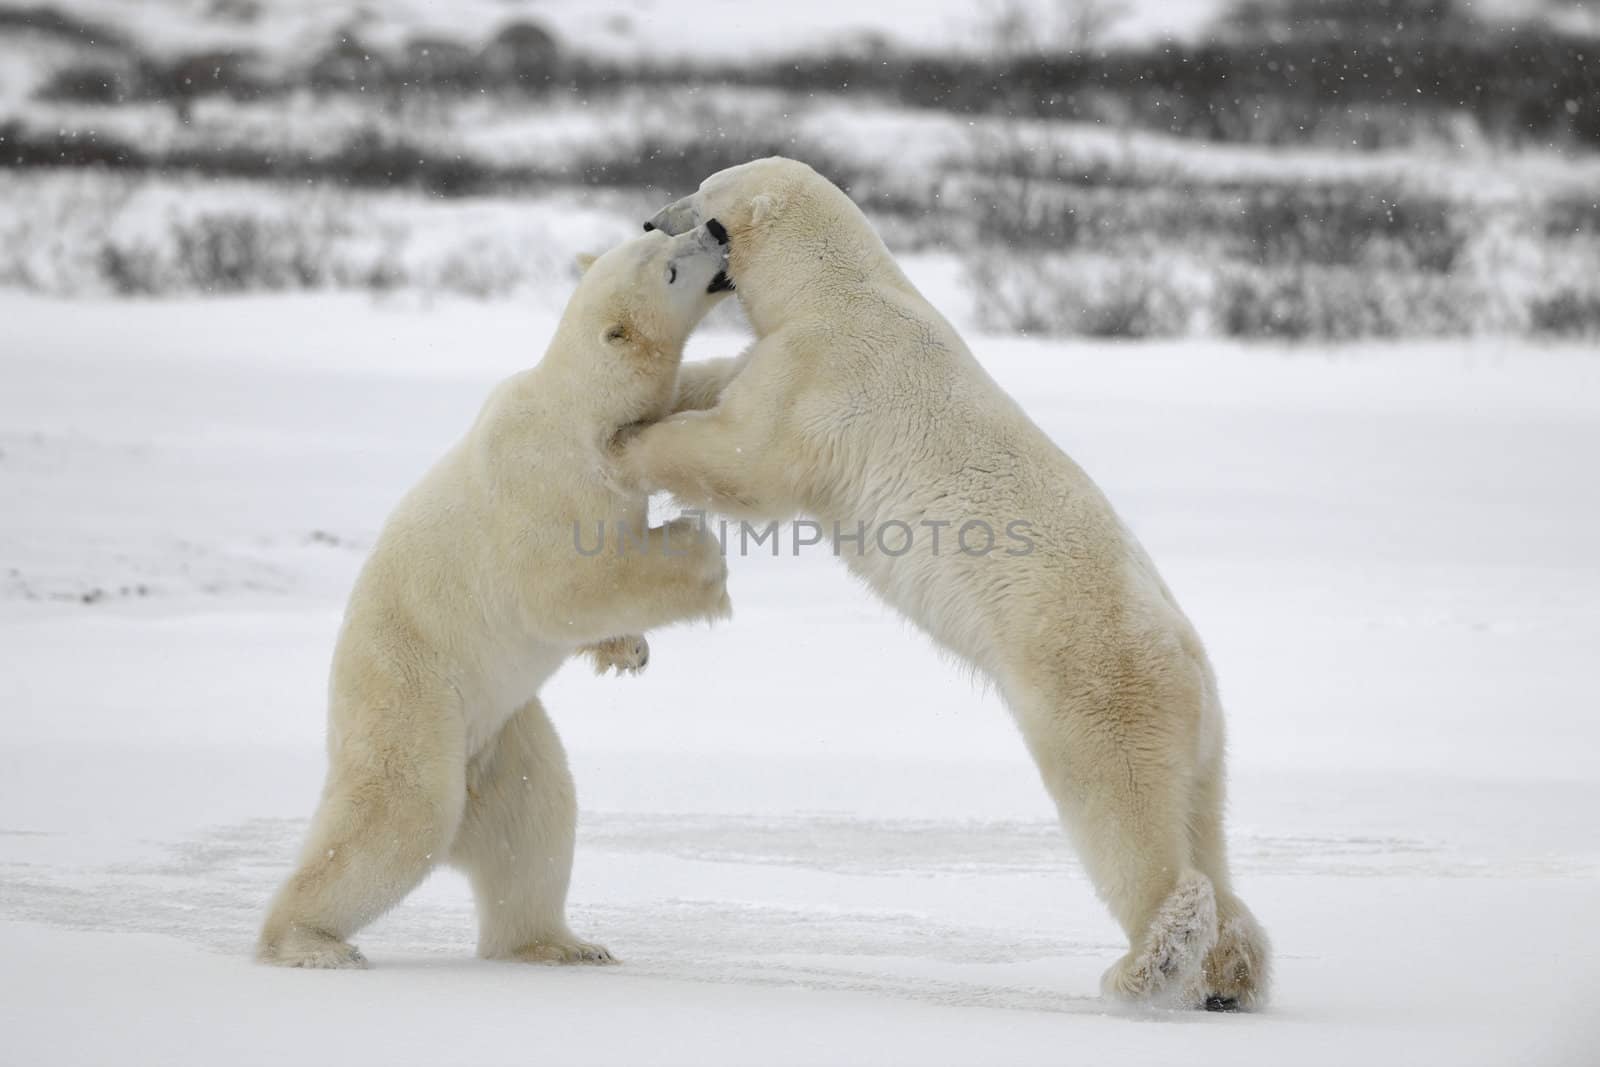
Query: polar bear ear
[760,208]
[585,261]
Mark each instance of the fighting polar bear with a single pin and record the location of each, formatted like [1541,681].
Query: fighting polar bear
[476,591]
[858,403]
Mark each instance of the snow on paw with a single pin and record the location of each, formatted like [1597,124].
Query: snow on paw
[1167,969]
[1137,978]
[1238,969]
[315,952]
[564,952]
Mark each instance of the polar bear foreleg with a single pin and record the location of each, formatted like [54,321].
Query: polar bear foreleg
[1238,971]
[1124,800]
[700,384]
[676,573]
[516,844]
[712,460]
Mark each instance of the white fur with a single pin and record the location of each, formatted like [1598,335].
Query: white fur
[858,402]
[438,747]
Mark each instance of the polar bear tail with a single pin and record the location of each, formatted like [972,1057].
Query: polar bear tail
[1166,965]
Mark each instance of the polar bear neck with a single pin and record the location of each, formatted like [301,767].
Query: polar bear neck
[606,386]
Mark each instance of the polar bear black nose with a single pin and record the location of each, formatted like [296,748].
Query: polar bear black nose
[717,230]
[649,226]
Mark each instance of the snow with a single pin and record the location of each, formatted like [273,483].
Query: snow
[724,29]
[810,838]
[729,30]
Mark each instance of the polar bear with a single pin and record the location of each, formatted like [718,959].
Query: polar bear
[480,585]
[860,406]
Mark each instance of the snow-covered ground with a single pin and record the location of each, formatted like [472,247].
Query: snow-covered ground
[811,839]
[722,29]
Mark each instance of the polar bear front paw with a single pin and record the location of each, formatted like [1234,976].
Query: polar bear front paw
[314,951]
[1139,979]
[565,951]
[1238,970]
[626,655]
[623,470]
[1166,968]
[699,568]
[718,604]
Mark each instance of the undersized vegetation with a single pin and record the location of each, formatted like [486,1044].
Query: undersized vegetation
[127,235]
[1495,273]
[134,235]
[381,156]
[1367,74]
[1070,243]
[1310,178]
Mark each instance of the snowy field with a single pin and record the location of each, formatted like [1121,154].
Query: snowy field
[734,29]
[731,29]
[811,839]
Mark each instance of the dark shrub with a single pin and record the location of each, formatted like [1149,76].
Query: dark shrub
[676,164]
[238,74]
[522,56]
[243,12]
[1346,224]
[1374,83]
[129,270]
[1282,20]
[24,147]
[1346,303]
[438,64]
[51,22]
[373,158]
[94,82]
[1567,216]
[1571,312]
[1075,295]
[347,64]
[235,252]
[224,253]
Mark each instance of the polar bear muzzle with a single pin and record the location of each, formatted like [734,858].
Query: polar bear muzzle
[676,218]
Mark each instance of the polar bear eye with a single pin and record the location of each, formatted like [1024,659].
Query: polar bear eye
[672,274]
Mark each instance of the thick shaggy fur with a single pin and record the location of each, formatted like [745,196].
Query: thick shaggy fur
[859,403]
[438,747]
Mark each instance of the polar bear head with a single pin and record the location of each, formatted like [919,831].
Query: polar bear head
[647,295]
[787,226]
[622,335]
[739,199]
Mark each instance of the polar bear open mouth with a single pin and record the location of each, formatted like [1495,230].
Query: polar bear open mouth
[721,283]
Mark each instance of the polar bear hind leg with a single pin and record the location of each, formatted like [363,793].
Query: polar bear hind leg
[1123,800]
[516,844]
[375,836]
[1238,970]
